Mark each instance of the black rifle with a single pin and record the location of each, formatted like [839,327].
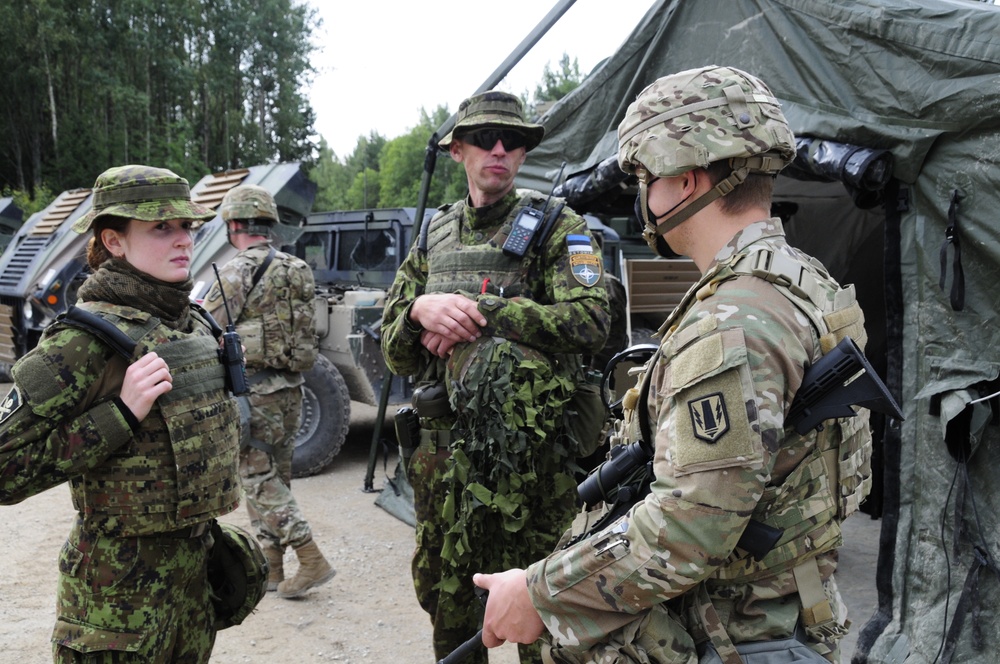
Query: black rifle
[837,381]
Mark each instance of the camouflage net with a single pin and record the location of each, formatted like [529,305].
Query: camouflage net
[512,469]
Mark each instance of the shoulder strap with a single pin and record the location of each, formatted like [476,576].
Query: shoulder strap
[262,268]
[549,224]
[120,342]
[209,320]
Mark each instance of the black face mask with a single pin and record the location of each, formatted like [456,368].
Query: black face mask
[662,247]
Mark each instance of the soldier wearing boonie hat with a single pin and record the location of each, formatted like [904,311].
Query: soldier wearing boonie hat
[671,580]
[493,319]
[144,193]
[496,110]
[124,397]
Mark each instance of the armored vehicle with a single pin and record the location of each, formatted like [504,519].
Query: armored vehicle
[354,255]
[11,218]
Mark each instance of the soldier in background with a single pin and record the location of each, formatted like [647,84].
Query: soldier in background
[148,446]
[495,332]
[667,582]
[271,298]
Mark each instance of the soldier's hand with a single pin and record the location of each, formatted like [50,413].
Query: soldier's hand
[145,380]
[437,344]
[510,615]
[452,316]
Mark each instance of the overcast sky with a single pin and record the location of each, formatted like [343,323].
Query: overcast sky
[381,61]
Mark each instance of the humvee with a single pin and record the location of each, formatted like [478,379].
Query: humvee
[354,255]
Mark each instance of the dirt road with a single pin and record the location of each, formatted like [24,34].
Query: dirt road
[368,613]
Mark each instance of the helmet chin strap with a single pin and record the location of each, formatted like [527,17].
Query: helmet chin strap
[718,191]
[768,163]
[650,233]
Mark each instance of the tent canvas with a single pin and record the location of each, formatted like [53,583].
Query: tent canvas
[920,80]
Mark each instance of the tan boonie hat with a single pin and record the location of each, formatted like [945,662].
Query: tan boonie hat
[144,193]
[494,109]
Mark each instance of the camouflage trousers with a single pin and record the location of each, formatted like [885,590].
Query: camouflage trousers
[141,600]
[770,629]
[267,476]
[456,614]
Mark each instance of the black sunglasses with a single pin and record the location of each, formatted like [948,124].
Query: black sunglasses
[485,139]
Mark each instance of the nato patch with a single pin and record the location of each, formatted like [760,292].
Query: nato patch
[586,268]
[10,403]
[709,417]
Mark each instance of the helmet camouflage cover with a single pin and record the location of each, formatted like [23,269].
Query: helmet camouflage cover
[700,116]
[237,574]
[252,204]
[696,118]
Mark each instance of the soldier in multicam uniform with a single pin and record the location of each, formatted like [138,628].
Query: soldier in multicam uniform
[496,343]
[271,298]
[148,445]
[667,582]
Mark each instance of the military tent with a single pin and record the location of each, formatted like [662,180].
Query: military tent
[896,104]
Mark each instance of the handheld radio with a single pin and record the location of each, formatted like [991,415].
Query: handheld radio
[527,224]
[231,352]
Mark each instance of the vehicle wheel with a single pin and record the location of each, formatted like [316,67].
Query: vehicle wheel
[326,416]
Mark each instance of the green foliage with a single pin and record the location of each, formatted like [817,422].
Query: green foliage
[30,202]
[383,173]
[196,86]
[399,162]
[557,84]
[364,191]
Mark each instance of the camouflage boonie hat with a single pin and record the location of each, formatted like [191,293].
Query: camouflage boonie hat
[494,109]
[144,193]
[248,201]
[700,116]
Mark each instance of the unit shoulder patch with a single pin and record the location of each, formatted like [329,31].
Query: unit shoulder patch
[709,417]
[586,268]
[10,403]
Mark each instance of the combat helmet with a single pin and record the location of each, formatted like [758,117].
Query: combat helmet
[695,118]
[251,204]
[237,574]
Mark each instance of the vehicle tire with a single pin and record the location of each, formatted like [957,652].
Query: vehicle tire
[326,416]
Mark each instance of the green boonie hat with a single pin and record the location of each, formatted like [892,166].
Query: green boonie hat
[144,193]
[248,201]
[494,109]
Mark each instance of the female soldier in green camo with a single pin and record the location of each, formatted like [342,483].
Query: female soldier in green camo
[148,445]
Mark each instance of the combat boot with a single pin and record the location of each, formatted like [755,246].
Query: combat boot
[276,573]
[313,571]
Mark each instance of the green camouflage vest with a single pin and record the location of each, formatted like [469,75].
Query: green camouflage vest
[180,468]
[453,266]
[456,267]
